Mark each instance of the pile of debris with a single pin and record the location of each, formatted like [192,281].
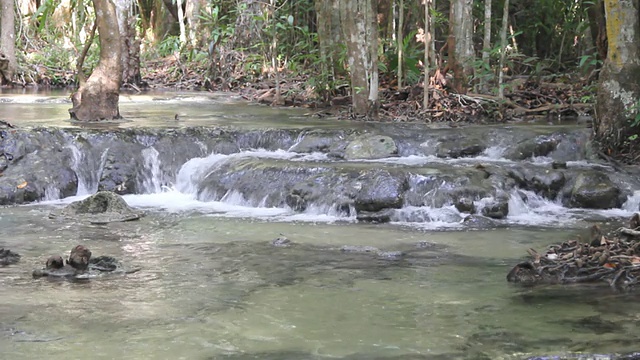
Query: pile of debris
[614,260]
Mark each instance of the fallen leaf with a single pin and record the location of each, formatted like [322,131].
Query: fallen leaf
[22,186]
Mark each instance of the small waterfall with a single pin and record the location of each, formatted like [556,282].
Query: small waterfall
[51,193]
[633,202]
[152,175]
[494,152]
[86,171]
[194,171]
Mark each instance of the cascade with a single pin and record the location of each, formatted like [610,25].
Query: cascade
[85,169]
[151,173]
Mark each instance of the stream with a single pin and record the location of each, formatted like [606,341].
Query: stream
[214,286]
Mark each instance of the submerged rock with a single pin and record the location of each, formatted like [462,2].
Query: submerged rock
[382,216]
[496,209]
[281,241]
[8,257]
[101,208]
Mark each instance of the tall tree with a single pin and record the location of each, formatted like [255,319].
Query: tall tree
[486,39]
[617,107]
[248,29]
[129,42]
[427,47]
[460,43]
[98,98]
[329,36]
[8,62]
[359,25]
[503,47]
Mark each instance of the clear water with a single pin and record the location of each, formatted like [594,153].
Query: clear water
[156,109]
[214,287]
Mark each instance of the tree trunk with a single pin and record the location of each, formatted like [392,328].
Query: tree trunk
[486,40]
[503,48]
[358,18]
[98,98]
[197,37]
[598,28]
[8,61]
[400,40]
[427,46]
[616,125]
[248,30]
[460,43]
[329,36]
[129,42]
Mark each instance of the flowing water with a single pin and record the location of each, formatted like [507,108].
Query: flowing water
[213,286]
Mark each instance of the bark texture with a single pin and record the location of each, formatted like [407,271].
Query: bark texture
[619,90]
[98,98]
[358,19]
[248,30]
[129,42]
[7,41]
[329,39]
[460,43]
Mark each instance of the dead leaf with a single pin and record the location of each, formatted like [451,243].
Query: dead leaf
[22,186]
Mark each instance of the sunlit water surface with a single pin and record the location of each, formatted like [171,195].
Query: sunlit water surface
[214,287]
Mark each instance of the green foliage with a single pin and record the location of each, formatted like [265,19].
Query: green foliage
[588,62]
[169,45]
[413,54]
[220,26]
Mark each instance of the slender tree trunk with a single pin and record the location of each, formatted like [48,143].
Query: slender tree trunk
[329,36]
[427,46]
[598,28]
[98,98]
[503,47]
[617,122]
[360,29]
[460,43]
[8,63]
[197,36]
[486,40]
[400,40]
[248,29]
[129,42]
[183,32]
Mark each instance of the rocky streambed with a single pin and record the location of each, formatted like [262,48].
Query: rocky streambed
[370,173]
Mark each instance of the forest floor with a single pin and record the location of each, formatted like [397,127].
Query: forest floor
[548,98]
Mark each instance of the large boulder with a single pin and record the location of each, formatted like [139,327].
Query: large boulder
[371,147]
[35,167]
[594,191]
[456,146]
[101,208]
[378,190]
[541,145]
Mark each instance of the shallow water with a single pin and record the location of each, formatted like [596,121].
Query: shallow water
[214,287]
[156,109]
